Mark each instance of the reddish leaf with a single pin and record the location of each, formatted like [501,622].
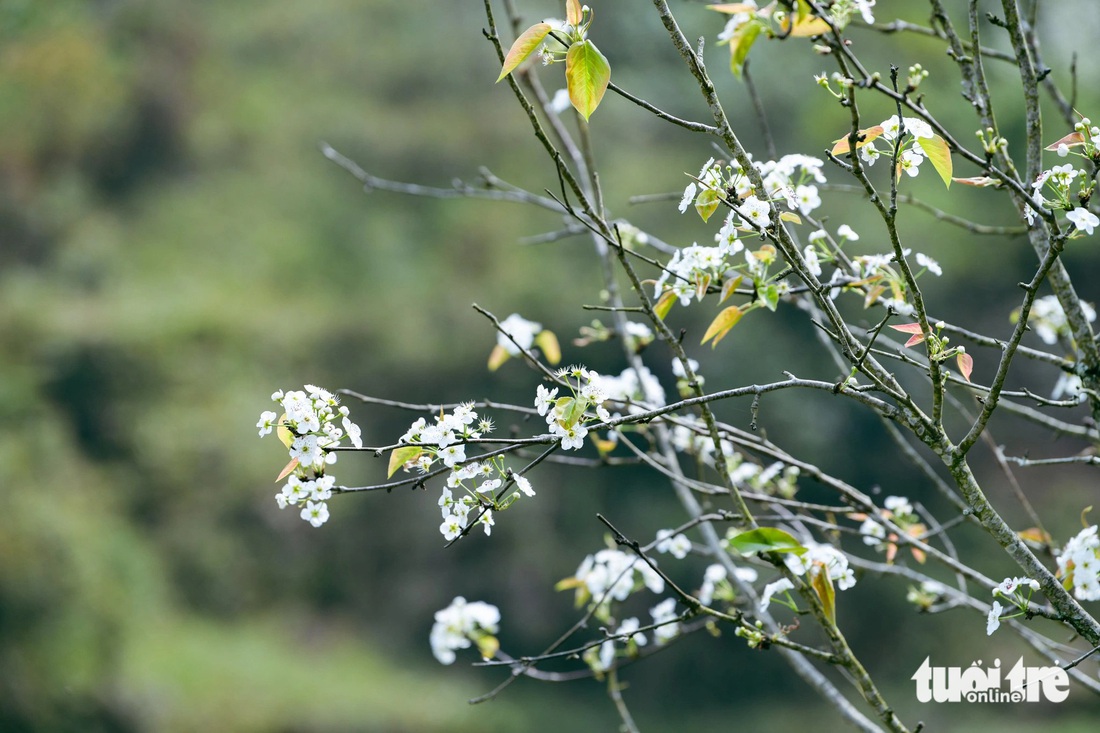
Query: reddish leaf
[573,12]
[913,328]
[866,136]
[286,471]
[978,181]
[966,364]
[1070,140]
[873,295]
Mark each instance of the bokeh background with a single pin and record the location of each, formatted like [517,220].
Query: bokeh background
[173,248]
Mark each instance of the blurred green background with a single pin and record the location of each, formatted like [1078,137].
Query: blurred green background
[173,248]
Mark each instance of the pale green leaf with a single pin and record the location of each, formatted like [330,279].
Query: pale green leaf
[741,44]
[823,586]
[939,155]
[722,324]
[706,203]
[498,356]
[527,42]
[765,539]
[770,296]
[283,432]
[548,342]
[665,303]
[587,74]
[731,8]
[729,287]
[400,456]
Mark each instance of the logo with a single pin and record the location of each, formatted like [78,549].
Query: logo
[987,684]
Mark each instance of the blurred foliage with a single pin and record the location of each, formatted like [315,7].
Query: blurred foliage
[173,248]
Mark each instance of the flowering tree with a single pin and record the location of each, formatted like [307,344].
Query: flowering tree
[770,552]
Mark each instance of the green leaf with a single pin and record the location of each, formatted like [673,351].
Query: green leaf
[548,342]
[400,456]
[741,44]
[790,216]
[770,296]
[939,155]
[587,73]
[707,203]
[722,324]
[570,409]
[823,586]
[765,539]
[488,646]
[527,42]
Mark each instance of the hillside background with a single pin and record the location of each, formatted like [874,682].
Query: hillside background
[174,247]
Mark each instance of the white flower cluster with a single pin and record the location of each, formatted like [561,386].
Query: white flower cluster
[898,509]
[1079,562]
[818,557]
[612,575]
[840,13]
[664,613]
[677,545]
[792,179]
[521,330]
[445,440]
[715,583]
[1049,321]
[567,416]
[310,433]
[602,657]
[475,481]
[926,594]
[692,269]
[1056,183]
[461,623]
[479,480]
[912,153]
